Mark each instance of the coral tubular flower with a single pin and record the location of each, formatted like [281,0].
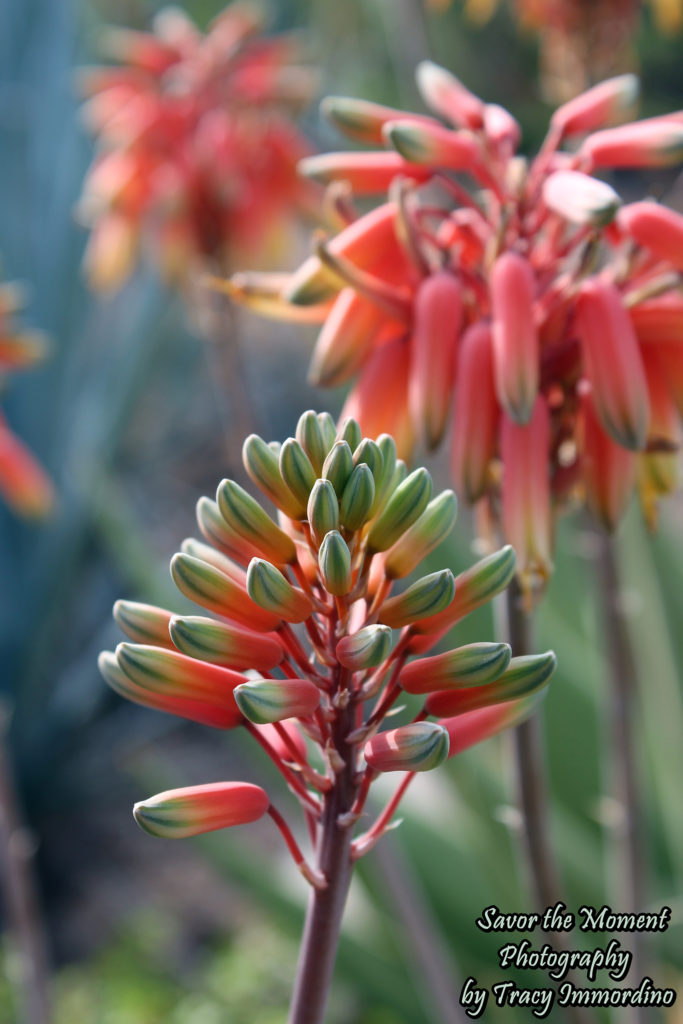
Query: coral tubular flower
[303,654]
[197,147]
[494,282]
[24,484]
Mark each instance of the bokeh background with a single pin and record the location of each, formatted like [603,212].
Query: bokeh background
[133,418]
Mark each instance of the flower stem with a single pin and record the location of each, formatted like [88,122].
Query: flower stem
[326,906]
[627,849]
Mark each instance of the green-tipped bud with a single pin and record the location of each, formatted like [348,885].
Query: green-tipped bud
[214,590]
[215,529]
[323,509]
[262,465]
[208,553]
[178,813]
[383,481]
[350,432]
[265,700]
[405,505]
[426,597]
[297,469]
[475,587]
[338,466]
[221,644]
[328,429]
[472,665]
[334,561]
[144,623]
[411,748]
[364,649]
[368,453]
[270,590]
[358,498]
[426,533]
[251,522]
[310,436]
[525,677]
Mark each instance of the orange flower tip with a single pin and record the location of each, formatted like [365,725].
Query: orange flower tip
[436,329]
[24,484]
[580,199]
[426,597]
[366,648]
[472,665]
[143,623]
[222,644]
[410,748]
[501,127]
[641,144]
[426,533]
[264,701]
[433,145]
[447,96]
[366,173]
[269,589]
[20,351]
[253,524]
[334,561]
[656,228]
[608,102]
[178,813]
[403,508]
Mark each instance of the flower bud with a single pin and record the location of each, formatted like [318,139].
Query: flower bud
[426,533]
[251,522]
[334,560]
[358,498]
[640,144]
[144,623]
[365,649]
[614,365]
[346,338]
[448,97]
[328,429]
[261,463]
[368,453]
[605,103]
[215,529]
[384,480]
[525,492]
[379,398]
[366,173]
[410,748]
[297,470]
[431,144]
[338,467]
[405,505]
[607,469]
[428,596]
[580,199]
[310,436]
[515,336]
[24,484]
[323,509]
[475,726]
[474,436]
[473,588]
[151,692]
[270,590]
[657,228]
[215,591]
[525,676]
[501,128]
[436,329]
[273,700]
[350,432]
[221,644]
[360,119]
[207,553]
[472,665]
[178,813]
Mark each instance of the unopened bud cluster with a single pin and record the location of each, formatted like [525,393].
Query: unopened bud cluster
[314,635]
[523,294]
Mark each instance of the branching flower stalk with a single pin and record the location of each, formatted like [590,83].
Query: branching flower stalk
[310,649]
[519,299]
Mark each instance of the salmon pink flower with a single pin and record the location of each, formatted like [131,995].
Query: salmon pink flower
[499,293]
[197,147]
[24,484]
